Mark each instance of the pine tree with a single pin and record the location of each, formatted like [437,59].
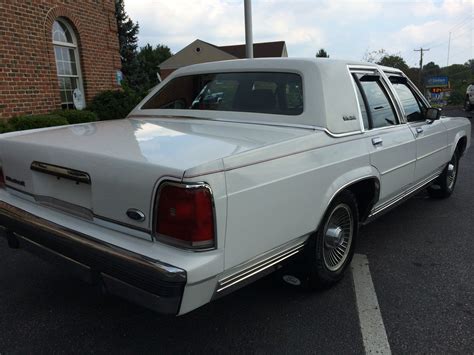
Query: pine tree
[149,59]
[322,54]
[128,41]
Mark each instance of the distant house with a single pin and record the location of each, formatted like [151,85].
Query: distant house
[202,52]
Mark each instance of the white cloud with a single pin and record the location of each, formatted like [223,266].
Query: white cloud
[346,28]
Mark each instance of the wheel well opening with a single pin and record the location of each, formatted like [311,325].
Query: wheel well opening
[461,147]
[366,193]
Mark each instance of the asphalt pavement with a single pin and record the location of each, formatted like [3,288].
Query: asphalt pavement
[421,258]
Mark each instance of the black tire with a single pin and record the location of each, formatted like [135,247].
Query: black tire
[467,104]
[320,270]
[443,186]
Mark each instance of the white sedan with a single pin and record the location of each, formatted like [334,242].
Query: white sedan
[225,171]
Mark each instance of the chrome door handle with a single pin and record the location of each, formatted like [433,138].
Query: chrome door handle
[377,141]
[419,130]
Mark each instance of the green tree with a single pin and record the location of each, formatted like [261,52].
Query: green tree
[128,40]
[374,56]
[322,53]
[460,76]
[470,65]
[431,69]
[148,60]
[394,61]
[413,75]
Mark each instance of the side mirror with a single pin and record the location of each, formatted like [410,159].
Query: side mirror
[433,114]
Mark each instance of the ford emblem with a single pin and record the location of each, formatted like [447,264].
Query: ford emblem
[135,214]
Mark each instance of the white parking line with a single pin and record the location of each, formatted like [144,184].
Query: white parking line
[371,322]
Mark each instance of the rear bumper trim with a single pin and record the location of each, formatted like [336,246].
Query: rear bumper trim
[138,278]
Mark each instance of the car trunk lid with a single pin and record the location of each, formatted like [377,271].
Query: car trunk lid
[103,169]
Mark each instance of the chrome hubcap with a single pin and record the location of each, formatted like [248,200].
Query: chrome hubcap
[338,233]
[451,175]
[334,237]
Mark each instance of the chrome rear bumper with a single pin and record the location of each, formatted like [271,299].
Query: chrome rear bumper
[142,280]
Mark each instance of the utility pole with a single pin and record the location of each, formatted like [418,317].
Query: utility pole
[421,50]
[449,47]
[248,29]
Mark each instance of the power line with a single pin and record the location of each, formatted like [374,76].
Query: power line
[421,50]
[465,21]
[465,31]
[449,48]
[462,23]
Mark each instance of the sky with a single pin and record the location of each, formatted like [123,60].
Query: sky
[346,29]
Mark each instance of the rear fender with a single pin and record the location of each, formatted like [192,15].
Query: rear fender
[345,181]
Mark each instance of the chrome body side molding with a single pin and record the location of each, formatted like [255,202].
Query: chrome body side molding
[397,167]
[402,196]
[260,266]
[431,153]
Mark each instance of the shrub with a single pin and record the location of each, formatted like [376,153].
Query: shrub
[111,105]
[76,116]
[456,97]
[4,127]
[36,121]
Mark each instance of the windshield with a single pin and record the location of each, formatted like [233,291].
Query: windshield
[260,92]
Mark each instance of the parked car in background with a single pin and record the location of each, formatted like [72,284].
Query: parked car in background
[225,171]
[469,100]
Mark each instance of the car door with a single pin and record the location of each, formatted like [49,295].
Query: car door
[390,141]
[431,136]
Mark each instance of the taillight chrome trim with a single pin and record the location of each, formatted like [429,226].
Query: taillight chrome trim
[176,242]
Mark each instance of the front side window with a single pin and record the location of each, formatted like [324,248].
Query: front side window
[274,93]
[67,62]
[414,109]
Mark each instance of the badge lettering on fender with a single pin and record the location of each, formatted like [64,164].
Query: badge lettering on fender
[15,181]
[349,118]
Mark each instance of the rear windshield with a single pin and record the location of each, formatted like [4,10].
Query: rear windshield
[274,93]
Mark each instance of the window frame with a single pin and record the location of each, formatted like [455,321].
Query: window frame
[75,47]
[298,73]
[387,89]
[414,90]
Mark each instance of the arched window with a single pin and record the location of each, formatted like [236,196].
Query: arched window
[67,62]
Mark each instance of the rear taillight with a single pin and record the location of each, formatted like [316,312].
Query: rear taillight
[185,215]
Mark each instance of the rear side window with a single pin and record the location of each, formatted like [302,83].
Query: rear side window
[363,109]
[376,107]
[274,93]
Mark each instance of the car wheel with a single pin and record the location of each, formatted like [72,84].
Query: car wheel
[330,249]
[444,185]
[467,104]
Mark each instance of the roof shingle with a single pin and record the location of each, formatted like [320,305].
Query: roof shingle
[260,50]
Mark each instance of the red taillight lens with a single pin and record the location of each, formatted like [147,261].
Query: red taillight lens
[185,215]
[2,178]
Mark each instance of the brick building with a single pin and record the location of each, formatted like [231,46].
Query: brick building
[49,48]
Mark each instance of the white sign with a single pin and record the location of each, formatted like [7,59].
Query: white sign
[119,77]
[78,99]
